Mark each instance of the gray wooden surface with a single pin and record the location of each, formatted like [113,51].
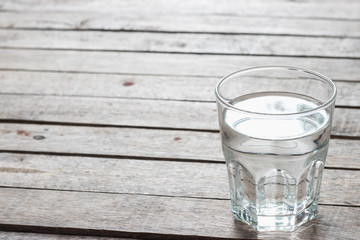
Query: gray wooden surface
[108,125]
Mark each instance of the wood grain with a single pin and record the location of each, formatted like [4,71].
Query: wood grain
[139,216]
[125,112]
[132,86]
[164,63]
[147,177]
[37,236]
[137,112]
[167,22]
[183,42]
[108,125]
[114,85]
[143,143]
[274,8]
[299,18]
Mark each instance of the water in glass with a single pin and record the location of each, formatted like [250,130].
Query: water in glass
[275,165]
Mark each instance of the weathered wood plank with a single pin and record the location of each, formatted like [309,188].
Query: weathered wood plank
[129,215]
[187,145]
[110,85]
[305,18]
[275,8]
[346,122]
[166,21]
[164,63]
[38,236]
[140,216]
[132,86]
[137,112]
[182,42]
[147,177]
[125,112]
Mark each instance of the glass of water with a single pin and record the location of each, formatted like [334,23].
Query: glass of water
[275,126]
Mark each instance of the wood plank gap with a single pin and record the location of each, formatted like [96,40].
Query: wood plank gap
[134,73]
[134,157]
[348,81]
[96,232]
[339,205]
[150,195]
[120,193]
[342,168]
[111,73]
[17,121]
[178,52]
[114,156]
[134,98]
[180,32]
[347,107]
[42,236]
[103,125]
[106,97]
[344,137]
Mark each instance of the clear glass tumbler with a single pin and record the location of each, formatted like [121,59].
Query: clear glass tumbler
[275,126]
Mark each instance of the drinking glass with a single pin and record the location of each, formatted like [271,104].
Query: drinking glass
[275,124]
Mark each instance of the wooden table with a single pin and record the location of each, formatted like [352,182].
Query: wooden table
[108,117]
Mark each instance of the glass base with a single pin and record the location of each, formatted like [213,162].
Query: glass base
[286,223]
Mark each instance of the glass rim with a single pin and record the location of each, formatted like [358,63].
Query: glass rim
[324,105]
